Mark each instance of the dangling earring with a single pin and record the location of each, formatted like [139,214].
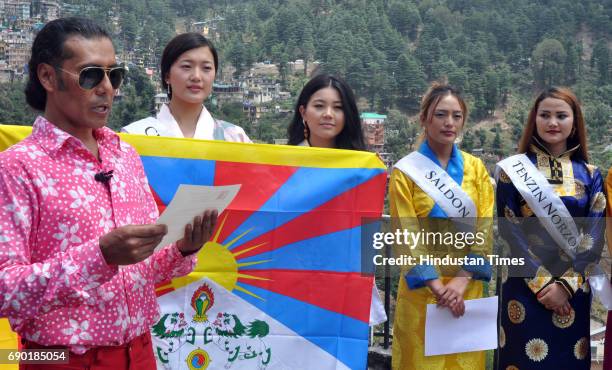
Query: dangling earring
[169,91]
[306,132]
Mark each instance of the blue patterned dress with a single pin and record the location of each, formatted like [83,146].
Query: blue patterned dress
[531,336]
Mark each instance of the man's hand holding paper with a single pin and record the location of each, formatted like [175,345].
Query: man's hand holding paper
[186,208]
[198,233]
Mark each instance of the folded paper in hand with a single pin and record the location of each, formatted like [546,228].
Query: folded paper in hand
[190,201]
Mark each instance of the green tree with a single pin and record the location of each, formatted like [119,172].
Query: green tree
[13,108]
[428,51]
[236,19]
[598,18]
[516,116]
[442,68]
[548,61]
[307,47]
[478,57]
[458,78]
[137,100]
[497,142]
[283,67]
[597,114]
[491,93]
[232,112]
[399,134]
[405,18]
[263,9]
[600,60]
[129,29]
[269,38]
[410,81]
[504,75]
[482,137]
[477,91]
[467,143]
[571,63]
[235,54]
[377,88]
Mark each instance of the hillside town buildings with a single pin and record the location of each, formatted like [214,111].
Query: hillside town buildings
[258,88]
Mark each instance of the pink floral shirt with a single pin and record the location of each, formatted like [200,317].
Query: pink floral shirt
[55,286]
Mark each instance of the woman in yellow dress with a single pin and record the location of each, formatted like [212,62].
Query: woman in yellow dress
[443,114]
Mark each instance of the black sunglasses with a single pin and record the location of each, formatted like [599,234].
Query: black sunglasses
[90,77]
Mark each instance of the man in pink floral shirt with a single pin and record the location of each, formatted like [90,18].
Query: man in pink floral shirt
[67,222]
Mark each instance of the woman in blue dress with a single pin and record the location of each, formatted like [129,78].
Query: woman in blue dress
[545,304]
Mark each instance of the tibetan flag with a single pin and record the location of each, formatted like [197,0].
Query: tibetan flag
[280,283]
[10,135]
[8,340]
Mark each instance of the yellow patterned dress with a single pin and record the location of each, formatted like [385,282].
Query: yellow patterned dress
[531,336]
[411,209]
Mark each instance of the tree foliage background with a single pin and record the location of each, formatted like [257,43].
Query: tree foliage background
[500,53]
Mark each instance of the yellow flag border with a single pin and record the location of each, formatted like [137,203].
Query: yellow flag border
[269,154]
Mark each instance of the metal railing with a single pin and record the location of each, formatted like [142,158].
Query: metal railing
[386,333]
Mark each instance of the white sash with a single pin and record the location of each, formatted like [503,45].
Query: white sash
[149,126]
[164,124]
[434,181]
[553,215]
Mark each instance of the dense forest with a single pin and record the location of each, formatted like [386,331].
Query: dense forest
[500,53]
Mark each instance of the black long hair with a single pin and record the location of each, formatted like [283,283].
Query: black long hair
[351,136]
[48,47]
[177,46]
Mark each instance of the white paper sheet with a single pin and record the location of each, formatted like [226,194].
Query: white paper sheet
[474,331]
[189,202]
